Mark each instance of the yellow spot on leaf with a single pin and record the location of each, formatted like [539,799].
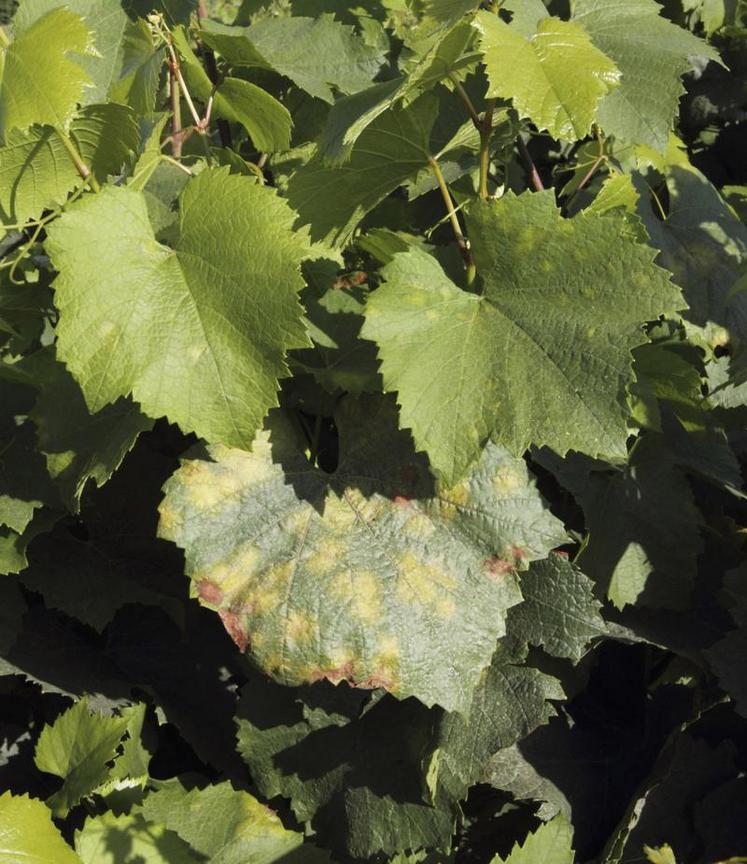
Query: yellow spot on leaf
[507,481]
[366,597]
[423,584]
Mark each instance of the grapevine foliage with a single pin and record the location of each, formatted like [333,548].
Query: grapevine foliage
[373,386]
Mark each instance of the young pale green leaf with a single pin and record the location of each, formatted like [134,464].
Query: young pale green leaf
[551,843]
[543,356]
[42,77]
[555,78]
[107,23]
[142,63]
[393,148]
[559,611]
[28,834]
[652,54]
[227,295]
[77,748]
[368,575]
[227,825]
[36,172]
[317,54]
[130,839]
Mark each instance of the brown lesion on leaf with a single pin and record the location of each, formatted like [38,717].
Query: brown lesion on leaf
[209,593]
[499,567]
[235,628]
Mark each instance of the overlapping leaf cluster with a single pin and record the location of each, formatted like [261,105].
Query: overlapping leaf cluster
[372,409]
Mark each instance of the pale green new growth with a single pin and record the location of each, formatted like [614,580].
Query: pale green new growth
[551,843]
[652,54]
[555,78]
[43,86]
[227,825]
[77,748]
[28,835]
[103,839]
[542,357]
[226,295]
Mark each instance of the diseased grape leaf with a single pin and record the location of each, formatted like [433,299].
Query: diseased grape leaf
[77,748]
[652,54]
[394,148]
[542,356]
[43,87]
[228,826]
[230,313]
[316,54]
[559,610]
[423,574]
[28,834]
[129,839]
[556,77]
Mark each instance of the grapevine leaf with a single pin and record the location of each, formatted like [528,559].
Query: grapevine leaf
[231,313]
[316,54]
[391,150]
[422,613]
[652,54]
[559,611]
[137,85]
[551,843]
[81,580]
[556,77]
[510,701]
[80,446]
[110,839]
[728,657]
[77,747]
[45,86]
[265,119]
[356,775]
[704,245]
[228,826]
[643,525]
[339,359]
[542,356]
[36,172]
[28,834]
[351,115]
[107,23]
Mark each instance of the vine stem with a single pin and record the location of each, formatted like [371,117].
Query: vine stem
[77,160]
[464,96]
[486,130]
[462,241]
[534,176]
[176,116]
